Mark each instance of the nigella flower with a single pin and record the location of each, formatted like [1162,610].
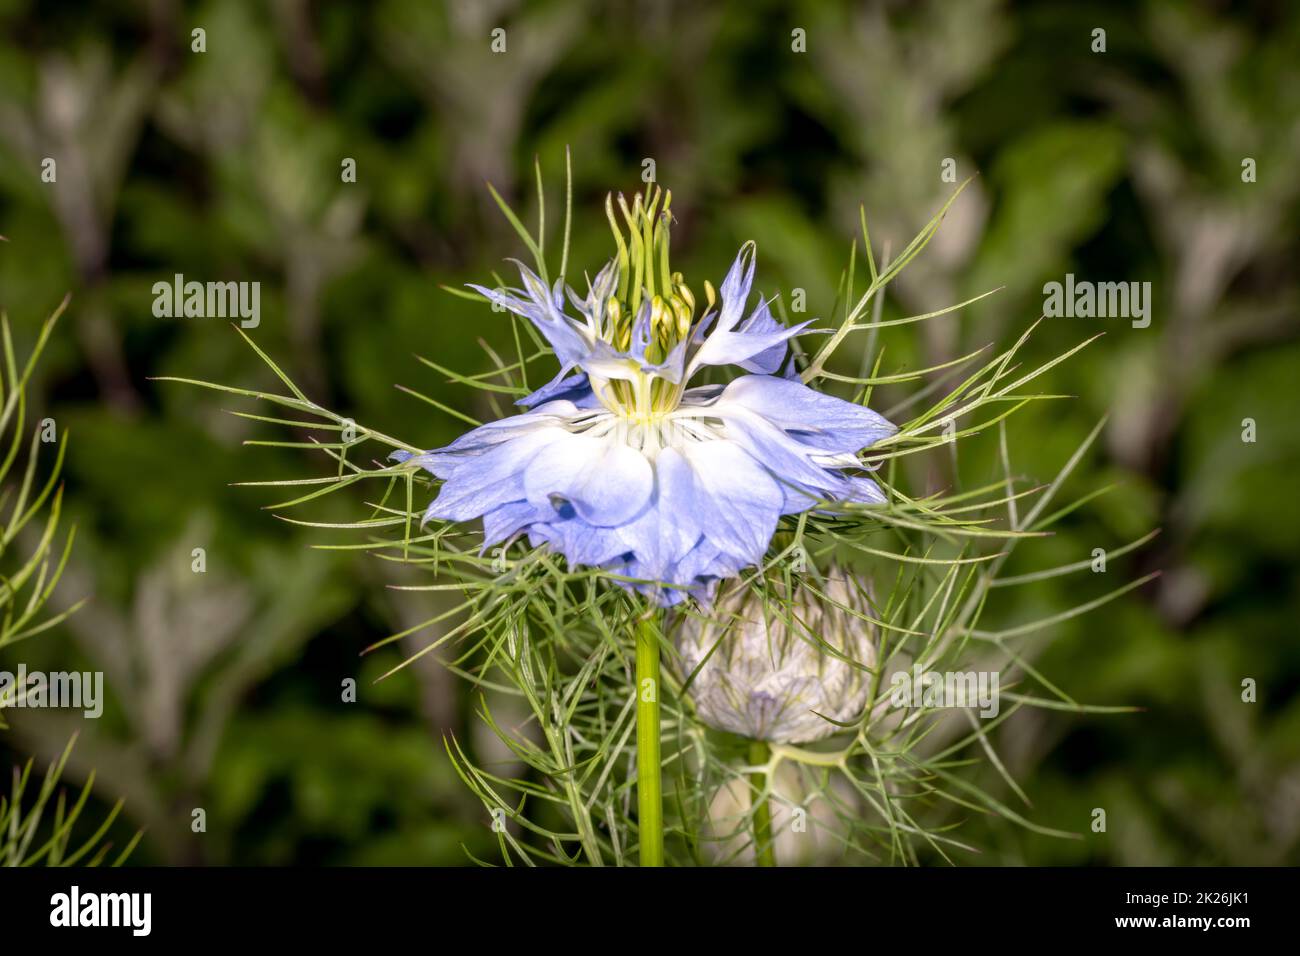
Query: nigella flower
[619,462]
[765,672]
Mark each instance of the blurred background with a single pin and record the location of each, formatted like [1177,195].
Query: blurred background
[225,688]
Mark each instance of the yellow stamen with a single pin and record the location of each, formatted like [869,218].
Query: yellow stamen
[683,315]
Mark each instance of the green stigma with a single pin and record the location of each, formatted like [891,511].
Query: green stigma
[644,275]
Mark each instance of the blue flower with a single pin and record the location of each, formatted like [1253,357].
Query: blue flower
[618,463]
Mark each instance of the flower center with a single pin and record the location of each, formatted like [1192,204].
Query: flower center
[647,310]
[655,430]
[641,398]
[646,282]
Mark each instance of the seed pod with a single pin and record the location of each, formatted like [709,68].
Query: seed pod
[769,678]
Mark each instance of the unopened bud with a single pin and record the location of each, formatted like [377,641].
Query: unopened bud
[771,675]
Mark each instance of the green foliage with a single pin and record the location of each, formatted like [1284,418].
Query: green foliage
[23,842]
[25,590]
[29,579]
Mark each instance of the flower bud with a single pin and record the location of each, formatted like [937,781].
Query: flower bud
[769,678]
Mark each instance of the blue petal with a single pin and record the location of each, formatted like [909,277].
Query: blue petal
[509,519]
[640,339]
[761,323]
[665,594]
[598,292]
[737,502]
[607,482]
[823,421]
[702,394]
[707,562]
[756,345]
[665,532]
[579,542]
[735,288]
[753,351]
[447,461]
[480,482]
[573,388]
[542,307]
[864,491]
[803,481]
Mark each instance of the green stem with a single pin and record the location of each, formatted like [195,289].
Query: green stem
[649,785]
[764,847]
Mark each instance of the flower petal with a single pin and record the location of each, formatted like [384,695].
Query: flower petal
[480,482]
[759,343]
[752,351]
[803,481]
[864,491]
[544,308]
[735,288]
[445,462]
[761,323]
[573,388]
[579,542]
[607,482]
[509,519]
[665,532]
[822,421]
[737,501]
